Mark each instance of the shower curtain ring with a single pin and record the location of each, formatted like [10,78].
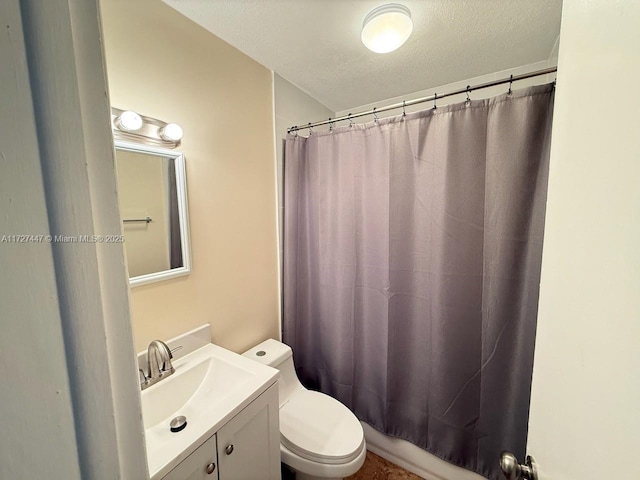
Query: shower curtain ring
[468,100]
[435,99]
[350,121]
[295,130]
[510,84]
[330,125]
[404,112]
[375,115]
[310,129]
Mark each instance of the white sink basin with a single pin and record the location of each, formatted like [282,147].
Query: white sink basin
[209,387]
[211,378]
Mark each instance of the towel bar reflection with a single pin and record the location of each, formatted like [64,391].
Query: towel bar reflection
[133,220]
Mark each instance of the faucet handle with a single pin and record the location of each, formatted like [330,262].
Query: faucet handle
[142,377]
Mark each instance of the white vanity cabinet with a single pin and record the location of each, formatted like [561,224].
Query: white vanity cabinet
[247,447]
[249,444]
[200,465]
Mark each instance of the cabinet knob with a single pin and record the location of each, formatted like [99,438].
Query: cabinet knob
[229,449]
[211,468]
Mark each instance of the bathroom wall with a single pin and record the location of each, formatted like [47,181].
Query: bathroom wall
[292,107]
[142,192]
[163,65]
[585,406]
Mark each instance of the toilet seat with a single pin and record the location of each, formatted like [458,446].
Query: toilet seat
[317,427]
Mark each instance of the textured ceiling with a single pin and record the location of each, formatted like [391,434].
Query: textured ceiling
[316,45]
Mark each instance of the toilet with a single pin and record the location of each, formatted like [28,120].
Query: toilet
[320,438]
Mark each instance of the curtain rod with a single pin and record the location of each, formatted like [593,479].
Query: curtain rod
[436,96]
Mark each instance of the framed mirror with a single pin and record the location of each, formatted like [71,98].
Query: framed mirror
[152,192]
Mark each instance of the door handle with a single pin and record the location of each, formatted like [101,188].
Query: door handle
[513,470]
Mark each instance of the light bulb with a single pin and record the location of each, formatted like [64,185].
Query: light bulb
[129,121]
[171,132]
[386,28]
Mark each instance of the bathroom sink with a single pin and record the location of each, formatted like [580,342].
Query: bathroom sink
[209,387]
[211,378]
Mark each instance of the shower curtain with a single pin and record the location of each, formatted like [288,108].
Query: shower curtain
[411,270]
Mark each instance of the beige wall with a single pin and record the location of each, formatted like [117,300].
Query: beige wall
[163,65]
[142,192]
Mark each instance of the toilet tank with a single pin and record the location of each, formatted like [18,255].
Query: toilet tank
[280,356]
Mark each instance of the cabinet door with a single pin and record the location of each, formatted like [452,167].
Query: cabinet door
[249,444]
[200,465]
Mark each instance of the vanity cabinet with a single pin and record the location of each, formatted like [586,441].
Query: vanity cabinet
[198,465]
[247,447]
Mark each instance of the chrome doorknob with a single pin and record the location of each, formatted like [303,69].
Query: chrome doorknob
[513,470]
[509,466]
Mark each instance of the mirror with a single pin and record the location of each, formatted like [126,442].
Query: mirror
[152,192]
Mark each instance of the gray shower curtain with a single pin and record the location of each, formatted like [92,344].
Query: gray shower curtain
[411,270]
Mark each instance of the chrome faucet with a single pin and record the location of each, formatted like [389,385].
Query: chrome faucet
[158,363]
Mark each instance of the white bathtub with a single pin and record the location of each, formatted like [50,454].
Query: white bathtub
[414,459]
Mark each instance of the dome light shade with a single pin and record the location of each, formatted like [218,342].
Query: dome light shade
[129,121]
[386,28]
[171,132]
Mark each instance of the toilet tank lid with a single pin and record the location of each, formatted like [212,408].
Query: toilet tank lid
[270,352]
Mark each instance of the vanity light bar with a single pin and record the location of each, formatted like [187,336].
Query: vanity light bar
[131,126]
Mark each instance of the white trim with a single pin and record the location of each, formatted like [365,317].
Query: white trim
[36,406]
[71,107]
[183,212]
[275,158]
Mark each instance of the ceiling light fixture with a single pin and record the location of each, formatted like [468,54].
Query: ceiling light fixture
[386,28]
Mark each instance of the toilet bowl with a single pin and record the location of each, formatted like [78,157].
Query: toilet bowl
[320,438]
